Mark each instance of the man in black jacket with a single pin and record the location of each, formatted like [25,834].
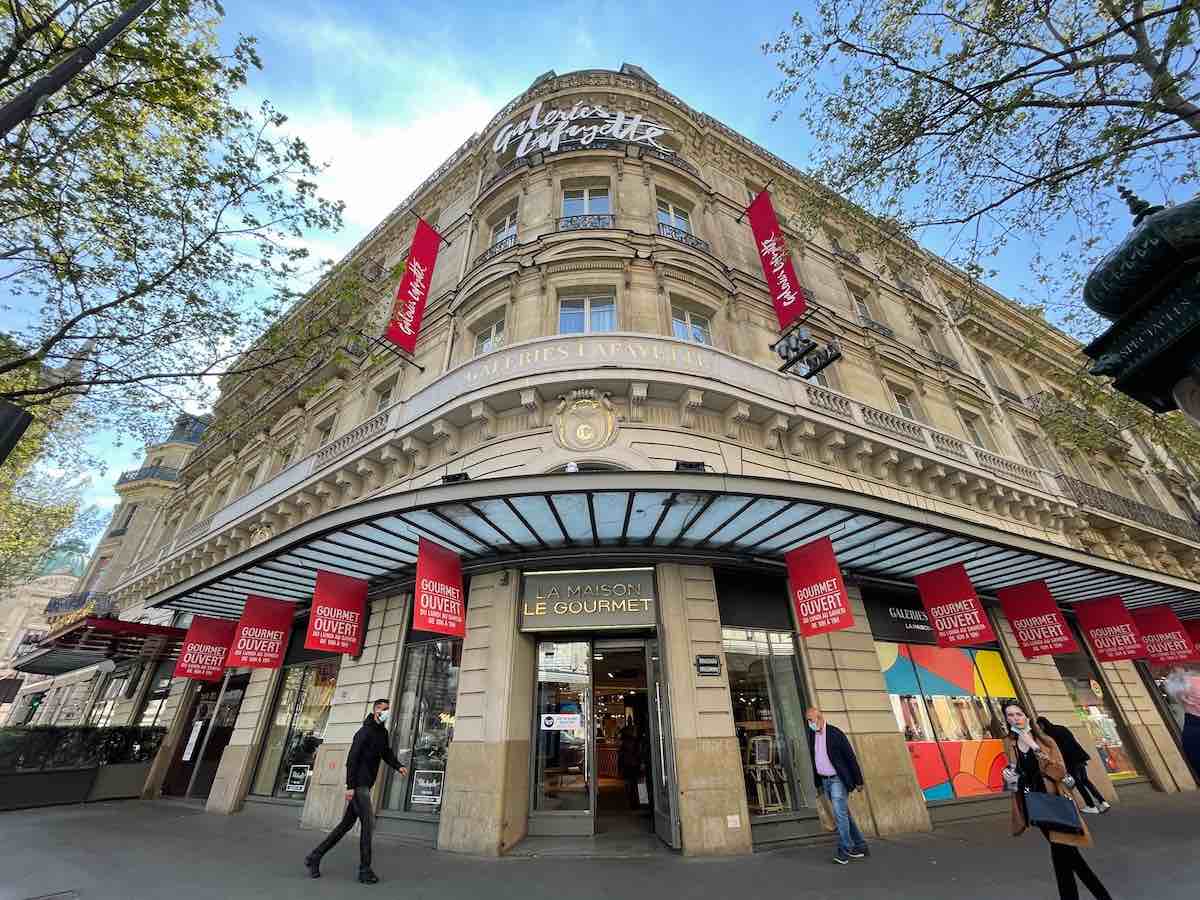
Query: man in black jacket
[370,745]
[1076,759]
[837,775]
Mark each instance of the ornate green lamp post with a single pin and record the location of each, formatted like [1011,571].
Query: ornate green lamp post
[1149,287]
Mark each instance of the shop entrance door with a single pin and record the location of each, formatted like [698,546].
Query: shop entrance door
[666,813]
[199,753]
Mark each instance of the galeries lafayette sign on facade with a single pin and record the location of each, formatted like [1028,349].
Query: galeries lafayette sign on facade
[549,129]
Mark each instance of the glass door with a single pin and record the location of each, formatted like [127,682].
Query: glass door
[563,784]
[662,754]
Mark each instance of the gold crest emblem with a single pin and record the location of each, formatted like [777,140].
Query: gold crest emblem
[584,420]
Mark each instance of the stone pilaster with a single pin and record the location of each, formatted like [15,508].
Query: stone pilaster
[236,769]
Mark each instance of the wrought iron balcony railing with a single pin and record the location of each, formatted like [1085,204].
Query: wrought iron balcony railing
[877,327]
[59,606]
[589,220]
[1046,404]
[496,249]
[145,473]
[842,253]
[672,158]
[1107,501]
[684,237]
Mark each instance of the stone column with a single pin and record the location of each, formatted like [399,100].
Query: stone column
[360,681]
[711,798]
[236,768]
[847,683]
[1165,765]
[1044,694]
[485,805]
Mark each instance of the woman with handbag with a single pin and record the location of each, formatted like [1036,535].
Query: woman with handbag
[1037,776]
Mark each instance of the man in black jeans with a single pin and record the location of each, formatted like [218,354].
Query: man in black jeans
[1076,759]
[362,765]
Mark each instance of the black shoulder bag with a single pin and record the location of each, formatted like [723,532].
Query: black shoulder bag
[1052,812]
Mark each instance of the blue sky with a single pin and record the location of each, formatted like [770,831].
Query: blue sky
[385,91]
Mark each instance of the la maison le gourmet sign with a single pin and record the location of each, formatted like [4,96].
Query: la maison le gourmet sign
[549,129]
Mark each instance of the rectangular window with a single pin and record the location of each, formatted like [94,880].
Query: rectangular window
[325,432]
[424,716]
[102,711]
[490,337]
[1094,711]
[821,379]
[904,404]
[674,216]
[861,307]
[1035,451]
[689,326]
[562,769]
[383,396]
[505,227]
[584,315]
[975,430]
[297,730]
[589,201]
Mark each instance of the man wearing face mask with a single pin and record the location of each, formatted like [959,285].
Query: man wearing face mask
[837,775]
[371,745]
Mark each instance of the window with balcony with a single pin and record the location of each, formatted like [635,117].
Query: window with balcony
[325,431]
[489,335]
[586,315]
[688,325]
[861,306]
[905,404]
[248,480]
[383,395]
[1036,451]
[821,379]
[586,207]
[1143,492]
[673,215]
[505,226]
[975,429]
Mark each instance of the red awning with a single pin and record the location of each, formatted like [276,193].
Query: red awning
[96,639]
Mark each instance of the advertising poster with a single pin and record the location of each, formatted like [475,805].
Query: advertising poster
[427,787]
[776,259]
[339,609]
[1167,641]
[261,638]
[955,612]
[818,589]
[1110,629]
[438,602]
[1037,622]
[409,306]
[205,648]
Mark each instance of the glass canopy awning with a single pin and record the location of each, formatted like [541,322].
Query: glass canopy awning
[661,516]
[95,639]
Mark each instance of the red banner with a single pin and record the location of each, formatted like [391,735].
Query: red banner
[1167,641]
[262,634]
[788,296]
[1037,622]
[818,590]
[409,306]
[438,599]
[1192,626]
[204,649]
[1110,629]
[339,609]
[955,613]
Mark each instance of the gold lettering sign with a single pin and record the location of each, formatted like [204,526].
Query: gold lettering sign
[588,600]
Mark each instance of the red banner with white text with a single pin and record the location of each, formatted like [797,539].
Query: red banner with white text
[818,590]
[1037,622]
[1167,641]
[1110,629]
[205,648]
[955,611]
[409,305]
[773,253]
[339,609]
[438,603]
[261,638]
[1192,627]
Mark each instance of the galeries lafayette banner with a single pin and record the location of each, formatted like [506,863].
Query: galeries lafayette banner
[438,603]
[955,612]
[1166,638]
[205,648]
[582,124]
[339,609]
[818,590]
[786,293]
[1110,629]
[409,306]
[1037,622]
[261,638]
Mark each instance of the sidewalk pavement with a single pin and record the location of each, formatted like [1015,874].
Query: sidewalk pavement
[1146,847]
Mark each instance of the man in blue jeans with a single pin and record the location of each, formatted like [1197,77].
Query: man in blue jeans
[837,775]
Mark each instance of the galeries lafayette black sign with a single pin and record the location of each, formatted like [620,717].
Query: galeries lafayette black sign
[549,129]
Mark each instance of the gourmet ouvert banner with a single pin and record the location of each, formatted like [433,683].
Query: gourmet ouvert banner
[261,638]
[409,306]
[955,612]
[1167,641]
[818,589]
[205,648]
[786,292]
[438,603]
[339,609]
[1037,622]
[1192,626]
[1110,629]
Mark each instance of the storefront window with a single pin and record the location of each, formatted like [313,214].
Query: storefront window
[102,710]
[564,678]
[156,698]
[297,730]
[947,702]
[768,715]
[1095,712]
[424,718]
[1173,704]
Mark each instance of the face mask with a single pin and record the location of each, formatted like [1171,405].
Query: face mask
[814,726]
[384,716]
[1019,729]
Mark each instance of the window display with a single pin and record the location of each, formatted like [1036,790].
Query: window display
[424,716]
[564,678]
[947,703]
[1114,749]
[768,715]
[297,730]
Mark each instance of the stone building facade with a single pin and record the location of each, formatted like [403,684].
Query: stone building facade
[594,398]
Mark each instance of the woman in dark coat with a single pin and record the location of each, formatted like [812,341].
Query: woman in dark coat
[1076,759]
[1037,765]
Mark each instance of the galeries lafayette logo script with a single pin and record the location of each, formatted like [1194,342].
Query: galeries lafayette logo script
[581,124]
